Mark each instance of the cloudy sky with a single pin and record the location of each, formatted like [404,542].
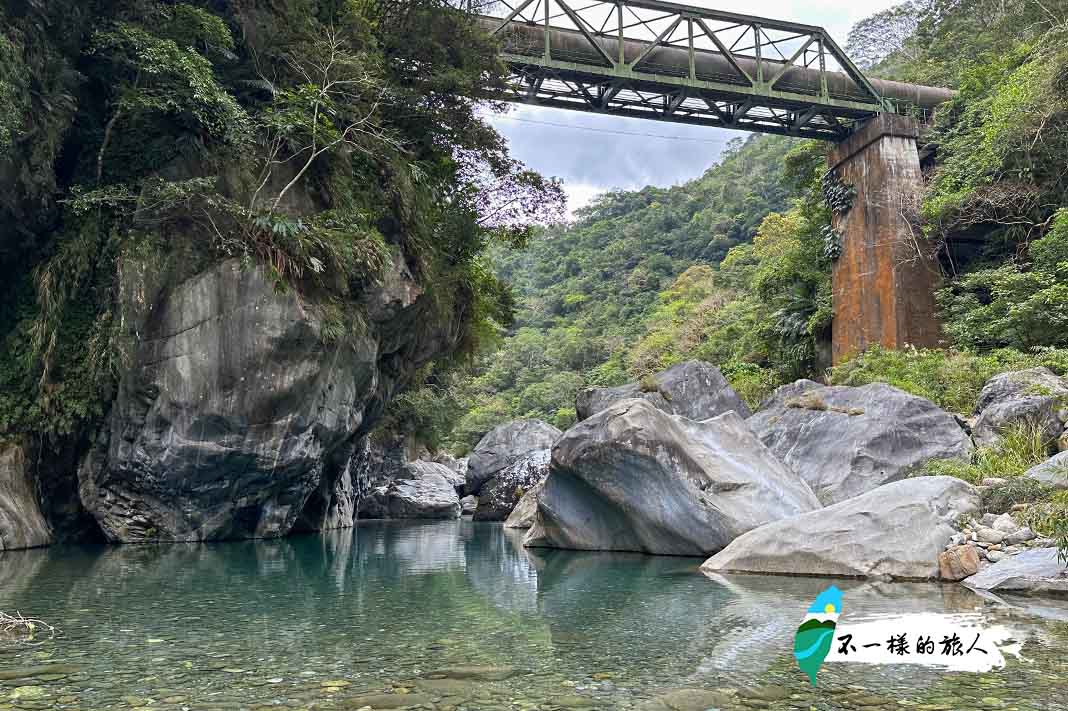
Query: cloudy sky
[592,152]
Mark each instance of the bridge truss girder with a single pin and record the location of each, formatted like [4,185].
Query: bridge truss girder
[670,62]
[583,91]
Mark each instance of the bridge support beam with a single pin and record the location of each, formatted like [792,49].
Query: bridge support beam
[885,277]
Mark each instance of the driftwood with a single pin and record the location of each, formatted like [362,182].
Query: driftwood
[25,629]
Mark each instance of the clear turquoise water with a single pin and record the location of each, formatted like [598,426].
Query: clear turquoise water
[457,615]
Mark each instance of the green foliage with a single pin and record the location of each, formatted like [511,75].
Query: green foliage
[151,74]
[1017,491]
[10,95]
[837,195]
[275,146]
[1050,518]
[1016,451]
[1014,304]
[191,26]
[752,382]
[619,293]
[949,378]
[1001,142]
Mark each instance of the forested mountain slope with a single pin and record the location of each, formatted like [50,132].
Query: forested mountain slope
[586,292]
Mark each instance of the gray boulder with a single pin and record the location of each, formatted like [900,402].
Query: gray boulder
[457,465]
[468,504]
[501,494]
[1032,572]
[634,478]
[1034,397]
[237,414]
[458,481]
[421,490]
[845,441]
[896,530]
[503,446]
[1052,472]
[526,510]
[695,390]
[22,524]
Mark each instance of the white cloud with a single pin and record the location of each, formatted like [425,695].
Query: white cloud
[580,195]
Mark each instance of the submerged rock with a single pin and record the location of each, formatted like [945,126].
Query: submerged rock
[634,478]
[22,524]
[501,494]
[1034,397]
[845,441]
[694,389]
[421,490]
[504,445]
[897,530]
[1032,572]
[526,511]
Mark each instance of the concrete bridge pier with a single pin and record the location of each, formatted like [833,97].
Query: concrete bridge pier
[885,277]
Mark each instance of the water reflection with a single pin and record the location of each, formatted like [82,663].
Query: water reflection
[388,601]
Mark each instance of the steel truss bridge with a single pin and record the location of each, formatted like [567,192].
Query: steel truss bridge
[671,62]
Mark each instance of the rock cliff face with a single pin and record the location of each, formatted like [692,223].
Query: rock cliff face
[22,524]
[237,418]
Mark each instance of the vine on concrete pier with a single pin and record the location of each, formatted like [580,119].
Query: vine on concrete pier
[832,242]
[837,194]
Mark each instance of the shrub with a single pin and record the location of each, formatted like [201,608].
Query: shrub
[1018,450]
[951,379]
[1050,518]
[752,382]
[1020,490]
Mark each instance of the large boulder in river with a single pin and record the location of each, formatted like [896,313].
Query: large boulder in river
[22,524]
[526,509]
[694,389]
[634,478]
[504,445]
[1035,397]
[238,413]
[896,530]
[422,490]
[845,441]
[501,494]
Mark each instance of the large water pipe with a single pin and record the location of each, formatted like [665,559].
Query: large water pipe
[571,46]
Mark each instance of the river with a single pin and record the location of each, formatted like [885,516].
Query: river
[458,615]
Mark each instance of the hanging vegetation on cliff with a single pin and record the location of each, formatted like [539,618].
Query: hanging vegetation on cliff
[308,136]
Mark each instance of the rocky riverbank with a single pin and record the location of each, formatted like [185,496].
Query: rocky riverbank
[819,480]
[828,481]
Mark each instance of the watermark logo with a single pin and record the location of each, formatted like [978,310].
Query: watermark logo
[815,636]
[953,642]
